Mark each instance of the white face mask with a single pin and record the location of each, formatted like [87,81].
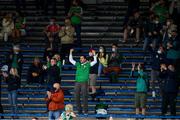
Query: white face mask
[51,23]
[156,22]
[101,50]
[90,54]
[159,52]
[114,49]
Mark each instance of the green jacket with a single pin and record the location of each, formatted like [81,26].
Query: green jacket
[141,85]
[82,72]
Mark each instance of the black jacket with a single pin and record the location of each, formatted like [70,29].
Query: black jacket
[169,81]
[53,74]
[13,82]
[35,69]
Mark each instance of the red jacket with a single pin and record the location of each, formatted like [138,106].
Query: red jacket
[56,101]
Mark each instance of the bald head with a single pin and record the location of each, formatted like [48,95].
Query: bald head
[57,86]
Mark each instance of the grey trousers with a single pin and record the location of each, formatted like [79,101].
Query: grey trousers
[81,88]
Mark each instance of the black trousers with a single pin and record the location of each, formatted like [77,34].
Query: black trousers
[168,99]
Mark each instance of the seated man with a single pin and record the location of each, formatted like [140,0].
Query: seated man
[133,26]
[113,64]
[35,72]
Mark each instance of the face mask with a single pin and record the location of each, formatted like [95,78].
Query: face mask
[100,50]
[67,27]
[90,54]
[168,23]
[159,52]
[156,22]
[51,23]
[114,49]
[16,52]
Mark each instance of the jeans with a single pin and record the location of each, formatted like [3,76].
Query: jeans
[148,41]
[78,34]
[12,97]
[100,68]
[54,115]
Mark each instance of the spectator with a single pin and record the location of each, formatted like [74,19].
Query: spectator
[19,27]
[114,62]
[152,33]
[103,59]
[66,34]
[49,53]
[133,25]
[68,114]
[51,35]
[13,81]
[7,27]
[141,89]
[81,80]
[15,59]
[169,89]
[59,64]
[167,31]
[93,73]
[75,13]
[157,57]
[53,74]
[174,11]
[172,53]
[35,72]
[55,101]
[160,9]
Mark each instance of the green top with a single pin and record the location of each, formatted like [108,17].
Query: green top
[82,72]
[75,20]
[141,85]
[161,12]
[15,62]
[20,22]
[66,117]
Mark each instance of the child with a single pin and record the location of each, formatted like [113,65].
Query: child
[68,114]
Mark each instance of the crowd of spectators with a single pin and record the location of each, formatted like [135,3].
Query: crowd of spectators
[158,29]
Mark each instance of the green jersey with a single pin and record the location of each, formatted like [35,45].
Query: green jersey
[82,72]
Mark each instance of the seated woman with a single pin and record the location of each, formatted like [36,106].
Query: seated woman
[114,62]
[7,27]
[19,27]
[103,59]
[35,72]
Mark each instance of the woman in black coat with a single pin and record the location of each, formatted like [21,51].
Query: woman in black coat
[12,81]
